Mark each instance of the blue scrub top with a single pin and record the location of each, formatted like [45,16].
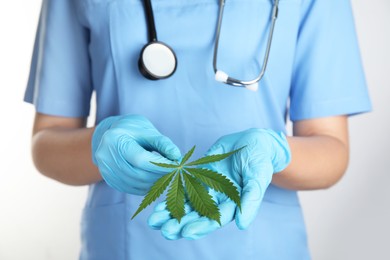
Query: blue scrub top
[314,70]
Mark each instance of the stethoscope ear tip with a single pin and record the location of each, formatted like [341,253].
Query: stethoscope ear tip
[221,76]
[253,87]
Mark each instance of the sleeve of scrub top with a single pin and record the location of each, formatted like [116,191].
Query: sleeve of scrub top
[59,83]
[328,77]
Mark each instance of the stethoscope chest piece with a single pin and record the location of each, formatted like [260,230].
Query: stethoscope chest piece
[157,61]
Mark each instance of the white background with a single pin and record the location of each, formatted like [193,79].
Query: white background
[39,218]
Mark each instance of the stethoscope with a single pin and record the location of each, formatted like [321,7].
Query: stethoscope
[158,61]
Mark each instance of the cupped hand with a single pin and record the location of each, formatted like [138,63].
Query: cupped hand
[251,169]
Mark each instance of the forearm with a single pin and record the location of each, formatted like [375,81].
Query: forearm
[319,154]
[317,163]
[64,154]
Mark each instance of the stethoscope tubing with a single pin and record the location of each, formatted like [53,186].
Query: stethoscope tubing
[233,81]
[152,33]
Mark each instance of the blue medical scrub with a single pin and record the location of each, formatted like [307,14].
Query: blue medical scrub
[314,70]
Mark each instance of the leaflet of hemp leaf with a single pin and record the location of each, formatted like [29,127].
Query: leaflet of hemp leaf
[185,179]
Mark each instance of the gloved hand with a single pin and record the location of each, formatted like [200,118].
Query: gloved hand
[124,146]
[266,152]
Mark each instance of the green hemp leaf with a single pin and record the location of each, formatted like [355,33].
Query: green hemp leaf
[186,180]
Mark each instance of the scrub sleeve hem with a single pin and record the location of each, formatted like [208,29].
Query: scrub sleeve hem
[346,106]
[60,108]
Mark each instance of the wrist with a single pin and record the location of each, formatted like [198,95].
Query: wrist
[98,132]
[281,157]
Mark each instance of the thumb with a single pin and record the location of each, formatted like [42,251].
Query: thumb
[215,149]
[165,147]
[252,194]
[251,198]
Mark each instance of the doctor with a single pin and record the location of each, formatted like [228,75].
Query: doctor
[314,75]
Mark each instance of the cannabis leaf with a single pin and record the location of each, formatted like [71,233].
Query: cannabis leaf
[175,198]
[200,199]
[165,165]
[187,156]
[155,191]
[212,158]
[217,182]
[186,180]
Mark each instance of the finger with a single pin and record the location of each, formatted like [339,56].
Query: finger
[161,215]
[120,175]
[136,178]
[165,147]
[157,219]
[227,142]
[140,158]
[161,206]
[171,230]
[108,170]
[111,177]
[122,146]
[142,130]
[203,226]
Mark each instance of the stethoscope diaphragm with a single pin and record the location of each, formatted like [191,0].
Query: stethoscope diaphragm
[157,61]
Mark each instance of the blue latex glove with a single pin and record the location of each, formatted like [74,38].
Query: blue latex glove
[266,152]
[124,146]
